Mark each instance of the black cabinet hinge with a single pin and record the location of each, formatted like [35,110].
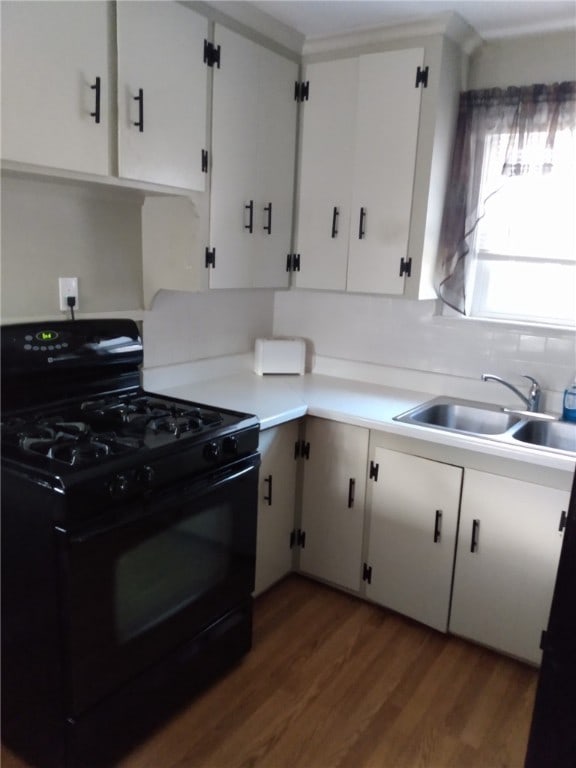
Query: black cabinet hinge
[211,54]
[297,538]
[210,257]
[367,573]
[563,519]
[301,448]
[302,90]
[406,267]
[293,262]
[373,473]
[421,77]
[204,161]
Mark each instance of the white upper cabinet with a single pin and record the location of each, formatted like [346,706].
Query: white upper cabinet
[59,89]
[374,159]
[326,176]
[388,108]
[55,85]
[162,92]
[360,129]
[253,155]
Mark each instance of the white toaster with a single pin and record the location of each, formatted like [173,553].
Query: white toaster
[279,356]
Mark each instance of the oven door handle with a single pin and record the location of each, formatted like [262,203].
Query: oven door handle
[155,505]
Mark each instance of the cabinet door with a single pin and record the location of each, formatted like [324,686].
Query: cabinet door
[508,549]
[333,502]
[253,145]
[276,150]
[326,158]
[54,59]
[413,520]
[388,110]
[162,93]
[233,192]
[276,504]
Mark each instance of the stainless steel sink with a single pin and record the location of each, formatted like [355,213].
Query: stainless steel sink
[536,430]
[461,416]
[560,435]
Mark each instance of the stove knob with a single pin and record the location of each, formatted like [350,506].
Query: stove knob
[230,445]
[211,451]
[119,486]
[146,476]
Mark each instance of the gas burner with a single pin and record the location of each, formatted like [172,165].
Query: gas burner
[144,414]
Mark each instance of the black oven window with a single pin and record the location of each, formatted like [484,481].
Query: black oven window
[162,574]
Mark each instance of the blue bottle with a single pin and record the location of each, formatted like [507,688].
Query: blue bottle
[569,405]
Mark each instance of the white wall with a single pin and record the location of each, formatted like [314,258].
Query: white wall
[409,334]
[192,326]
[50,230]
[545,58]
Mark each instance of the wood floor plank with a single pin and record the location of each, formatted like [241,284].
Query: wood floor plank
[336,682]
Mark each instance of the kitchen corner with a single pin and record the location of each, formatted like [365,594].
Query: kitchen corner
[353,393]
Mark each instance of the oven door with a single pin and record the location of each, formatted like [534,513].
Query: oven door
[167,569]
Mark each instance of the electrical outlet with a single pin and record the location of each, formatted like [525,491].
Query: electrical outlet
[68,286]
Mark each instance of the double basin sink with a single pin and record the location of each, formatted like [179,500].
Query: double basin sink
[490,421]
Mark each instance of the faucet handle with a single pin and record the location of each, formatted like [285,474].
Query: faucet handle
[533,380]
[534,394]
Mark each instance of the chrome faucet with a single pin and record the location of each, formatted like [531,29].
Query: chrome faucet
[532,402]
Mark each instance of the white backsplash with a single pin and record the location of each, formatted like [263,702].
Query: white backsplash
[393,333]
[192,326]
[409,334]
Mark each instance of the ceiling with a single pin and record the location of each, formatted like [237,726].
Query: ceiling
[490,18]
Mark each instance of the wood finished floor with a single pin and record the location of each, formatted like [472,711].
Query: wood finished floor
[334,682]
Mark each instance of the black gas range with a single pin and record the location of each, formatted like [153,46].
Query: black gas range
[128,542]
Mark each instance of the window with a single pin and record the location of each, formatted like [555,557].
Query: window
[525,241]
[508,244]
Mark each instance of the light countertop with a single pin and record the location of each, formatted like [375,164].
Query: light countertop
[275,399]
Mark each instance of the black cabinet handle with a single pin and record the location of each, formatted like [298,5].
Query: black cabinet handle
[361,228]
[563,518]
[268,498]
[351,490]
[474,540]
[335,216]
[250,209]
[437,524]
[268,226]
[140,99]
[97,98]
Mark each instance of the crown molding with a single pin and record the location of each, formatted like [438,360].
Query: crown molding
[449,24]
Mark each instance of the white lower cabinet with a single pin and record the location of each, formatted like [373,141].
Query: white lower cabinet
[333,502]
[276,504]
[412,526]
[508,549]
